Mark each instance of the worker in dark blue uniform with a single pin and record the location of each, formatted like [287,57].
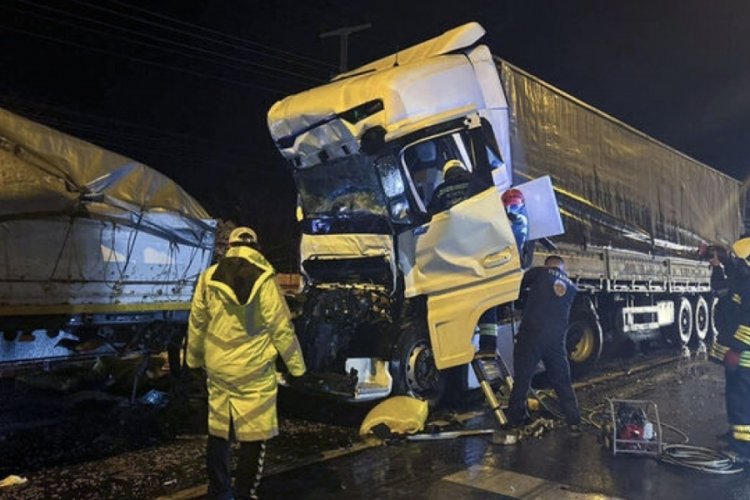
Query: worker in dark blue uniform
[726,280]
[737,357]
[541,337]
[458,184]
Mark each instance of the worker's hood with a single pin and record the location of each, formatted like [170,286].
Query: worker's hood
[240,274]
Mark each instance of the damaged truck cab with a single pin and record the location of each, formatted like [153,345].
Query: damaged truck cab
[392,292]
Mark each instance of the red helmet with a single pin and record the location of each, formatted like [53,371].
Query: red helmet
[513,197]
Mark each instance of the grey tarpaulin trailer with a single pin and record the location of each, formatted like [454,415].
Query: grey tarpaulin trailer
[634,209]
[93,246]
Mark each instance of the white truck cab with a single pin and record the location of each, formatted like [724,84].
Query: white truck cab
[393,293]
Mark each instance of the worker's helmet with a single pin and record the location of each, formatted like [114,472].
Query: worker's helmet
[243,236]
[452,164]
[513,198]
[741,247]
[426,151]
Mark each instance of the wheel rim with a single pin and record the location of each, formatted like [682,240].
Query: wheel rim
[685,322]
[713,329]
[421,373]
[701,319]
[584,348]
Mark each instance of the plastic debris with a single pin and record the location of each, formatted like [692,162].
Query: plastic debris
[398,414]
[13,480]
[154,398]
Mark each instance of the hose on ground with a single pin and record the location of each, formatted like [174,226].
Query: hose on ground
[679,454]
[699,459]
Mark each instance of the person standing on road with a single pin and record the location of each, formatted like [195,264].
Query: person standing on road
[541,337]
[239,323]
[737,357]
[726,316]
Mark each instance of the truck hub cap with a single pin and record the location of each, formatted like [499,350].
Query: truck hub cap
[421,373]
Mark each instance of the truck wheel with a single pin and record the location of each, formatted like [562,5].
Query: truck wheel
[413,366]
[679,332]
[700,321]
[713,329]
[584,339]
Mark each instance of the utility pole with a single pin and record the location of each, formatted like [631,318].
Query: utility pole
[343,34]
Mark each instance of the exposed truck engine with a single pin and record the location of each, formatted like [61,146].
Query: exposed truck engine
[98,253]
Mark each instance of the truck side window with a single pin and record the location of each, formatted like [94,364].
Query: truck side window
[393,187]
[424,162]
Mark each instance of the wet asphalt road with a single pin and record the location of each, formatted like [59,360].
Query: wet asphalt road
[102,448]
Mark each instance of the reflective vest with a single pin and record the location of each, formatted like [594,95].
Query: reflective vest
[239,323]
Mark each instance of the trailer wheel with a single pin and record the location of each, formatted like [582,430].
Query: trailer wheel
[413,366]
[713,331]
[680,331]
[584,339]
[701,321]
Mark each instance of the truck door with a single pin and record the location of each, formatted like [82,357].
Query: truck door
[464,260]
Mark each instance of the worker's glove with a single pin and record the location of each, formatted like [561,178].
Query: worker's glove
[731,360]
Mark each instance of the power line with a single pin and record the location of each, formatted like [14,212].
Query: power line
[168,41]
[286,58]
[145,61]
[40,106]
[220,33]
[131,142]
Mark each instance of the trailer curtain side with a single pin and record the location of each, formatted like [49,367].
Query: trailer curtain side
[616,186]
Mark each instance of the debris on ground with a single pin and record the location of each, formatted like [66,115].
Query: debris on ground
[13,480]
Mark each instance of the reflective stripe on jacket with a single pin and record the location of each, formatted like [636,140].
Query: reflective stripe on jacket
[239,323]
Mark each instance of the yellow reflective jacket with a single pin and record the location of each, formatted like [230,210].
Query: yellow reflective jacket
[239,322]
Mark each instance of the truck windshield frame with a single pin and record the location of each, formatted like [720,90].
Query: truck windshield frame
[347,187]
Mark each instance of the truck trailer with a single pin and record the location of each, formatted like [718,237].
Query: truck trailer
[98,252]
[393,293]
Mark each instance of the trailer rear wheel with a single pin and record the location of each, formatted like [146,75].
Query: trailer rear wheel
[701,321]
[413,366]
[680,331]
[713,331]
[584,339]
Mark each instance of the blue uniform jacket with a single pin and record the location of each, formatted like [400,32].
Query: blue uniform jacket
[547,305]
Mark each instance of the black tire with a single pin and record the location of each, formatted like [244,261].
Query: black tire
[679,332]
[584,338]
[713,330]
[413,366]
[701,321]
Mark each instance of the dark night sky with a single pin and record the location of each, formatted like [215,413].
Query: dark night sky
[192,102]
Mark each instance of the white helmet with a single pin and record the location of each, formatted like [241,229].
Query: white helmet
[243,235]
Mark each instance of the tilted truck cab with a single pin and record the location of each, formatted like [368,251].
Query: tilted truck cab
[393,293]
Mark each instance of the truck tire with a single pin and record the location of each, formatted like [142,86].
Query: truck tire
[584,338]
[679,332]
[413,366]
[713,330]
[701,321]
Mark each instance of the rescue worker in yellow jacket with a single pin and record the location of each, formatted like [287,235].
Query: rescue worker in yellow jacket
[239,323]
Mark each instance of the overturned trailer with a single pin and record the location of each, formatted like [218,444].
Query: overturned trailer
[98,253]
